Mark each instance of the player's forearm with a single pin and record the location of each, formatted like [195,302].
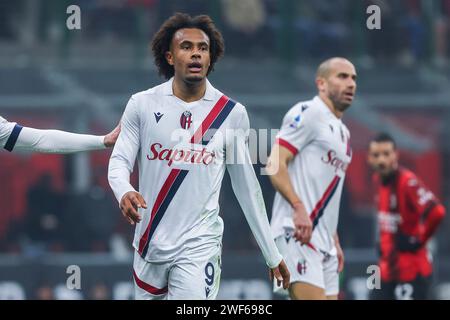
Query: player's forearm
[119,176]
[121,166]
[56,141]
[124,153]
[432,221]
[248,192]
[282,184]
[336,239]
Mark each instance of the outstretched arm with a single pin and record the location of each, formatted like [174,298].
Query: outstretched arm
[56,141]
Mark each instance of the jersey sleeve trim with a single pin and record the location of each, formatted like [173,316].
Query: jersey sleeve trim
[13,138]
[287,145]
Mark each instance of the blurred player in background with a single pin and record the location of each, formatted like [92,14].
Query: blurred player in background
[408,216]
[14,136]
[177,130]
[307,167]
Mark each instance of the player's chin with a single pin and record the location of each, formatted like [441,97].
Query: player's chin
[384,172]
[194,78]
[345,104]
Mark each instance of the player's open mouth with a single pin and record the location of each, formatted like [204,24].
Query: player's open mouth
[195,67]
[349,95]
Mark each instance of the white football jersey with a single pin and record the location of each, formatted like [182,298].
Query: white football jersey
[182,151]
[321,145]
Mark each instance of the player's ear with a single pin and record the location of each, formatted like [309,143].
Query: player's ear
[169,58]
[320,83]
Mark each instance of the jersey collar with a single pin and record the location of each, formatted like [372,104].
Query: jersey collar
[318,101]
[209,93]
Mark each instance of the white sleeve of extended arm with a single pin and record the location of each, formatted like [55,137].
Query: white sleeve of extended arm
[248,191]
[56,141]
[14,136]
[125,151]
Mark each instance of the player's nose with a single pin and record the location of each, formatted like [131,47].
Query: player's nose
[196,55]
[351,84]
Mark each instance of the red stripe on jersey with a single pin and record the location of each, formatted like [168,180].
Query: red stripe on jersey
[159,200]
[311,246]
[147,287]
[287,145]
[215,111]
[324,198]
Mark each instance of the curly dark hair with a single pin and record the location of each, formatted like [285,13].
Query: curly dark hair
[163,38]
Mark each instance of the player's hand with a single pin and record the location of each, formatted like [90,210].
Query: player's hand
[111,138]
[281,273]
[130,203]
[302,223]
[340,256]
[407,243]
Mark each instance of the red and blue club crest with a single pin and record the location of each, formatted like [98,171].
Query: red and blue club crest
[186,120]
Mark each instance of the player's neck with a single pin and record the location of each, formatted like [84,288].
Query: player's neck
[331,106]
[189,92]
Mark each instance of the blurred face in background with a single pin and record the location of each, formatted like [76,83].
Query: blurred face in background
[338,83]
[190,55]
[383,158]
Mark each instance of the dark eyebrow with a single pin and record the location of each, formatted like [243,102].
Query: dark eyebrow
[190,42]
[185,42]
[201,43]
[347,75]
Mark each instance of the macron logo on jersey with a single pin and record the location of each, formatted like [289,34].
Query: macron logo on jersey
[158,116]
[188,156]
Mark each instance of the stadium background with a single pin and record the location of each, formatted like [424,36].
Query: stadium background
[57,211]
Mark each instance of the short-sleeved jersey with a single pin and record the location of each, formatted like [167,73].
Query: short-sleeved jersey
[403,203]
[321,144]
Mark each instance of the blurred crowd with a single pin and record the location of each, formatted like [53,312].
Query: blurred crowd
[65,221]
[412,31]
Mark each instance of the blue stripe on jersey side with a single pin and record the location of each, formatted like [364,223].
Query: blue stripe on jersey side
[220,119]
[322,210]
[164,205]
[13,138]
